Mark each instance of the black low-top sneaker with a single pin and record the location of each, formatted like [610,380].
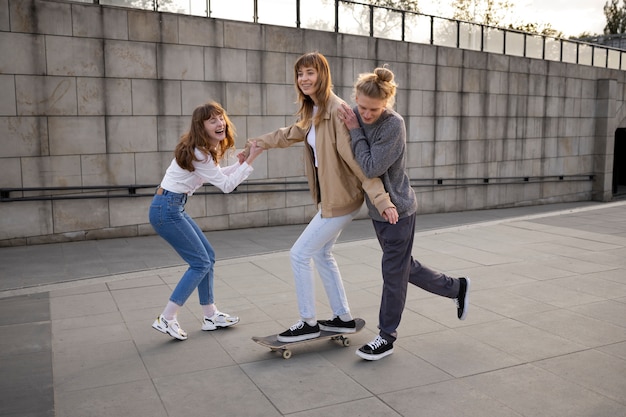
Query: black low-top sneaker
[462,300]
[337,325]
[376,349]
[299,331]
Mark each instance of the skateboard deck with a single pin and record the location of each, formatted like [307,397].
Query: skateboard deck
[274,345]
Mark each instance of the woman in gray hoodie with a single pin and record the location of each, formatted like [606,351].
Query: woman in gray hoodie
[378,136]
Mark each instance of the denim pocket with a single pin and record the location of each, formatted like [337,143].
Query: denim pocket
[156,215]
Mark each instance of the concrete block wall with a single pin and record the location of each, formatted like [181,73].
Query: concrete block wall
[95,95]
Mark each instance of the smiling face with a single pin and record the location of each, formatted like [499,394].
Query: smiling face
[370,109]
[307,81]
[215,127]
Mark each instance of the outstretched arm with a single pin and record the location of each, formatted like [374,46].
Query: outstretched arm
[207,170]
[281,138]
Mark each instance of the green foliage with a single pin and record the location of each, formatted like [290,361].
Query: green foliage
[410,5]
[537,29]
[615,17]
[484,12]
[584,35]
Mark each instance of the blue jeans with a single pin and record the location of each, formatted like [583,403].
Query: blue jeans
[315,244]
[172,223]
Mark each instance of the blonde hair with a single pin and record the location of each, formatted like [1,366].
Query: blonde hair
[324,88]
[379,84]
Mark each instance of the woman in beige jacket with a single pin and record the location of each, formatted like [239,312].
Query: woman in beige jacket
[337,184]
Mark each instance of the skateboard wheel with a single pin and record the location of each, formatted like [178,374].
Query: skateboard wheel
[345,342]
[286,354]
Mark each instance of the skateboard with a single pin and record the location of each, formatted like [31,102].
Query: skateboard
[274,345]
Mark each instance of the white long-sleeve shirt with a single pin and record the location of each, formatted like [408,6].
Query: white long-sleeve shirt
[179,180]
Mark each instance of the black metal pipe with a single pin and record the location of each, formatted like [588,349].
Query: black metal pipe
[251,188]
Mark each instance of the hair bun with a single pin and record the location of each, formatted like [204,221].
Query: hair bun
[384,74]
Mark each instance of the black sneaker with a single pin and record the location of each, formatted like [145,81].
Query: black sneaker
[376,349]
[337,325]
[462,300]
[299,331]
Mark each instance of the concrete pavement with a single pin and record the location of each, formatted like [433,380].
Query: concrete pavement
[545,334]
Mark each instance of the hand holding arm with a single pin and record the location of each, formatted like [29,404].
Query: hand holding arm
[253,151]
[241,156]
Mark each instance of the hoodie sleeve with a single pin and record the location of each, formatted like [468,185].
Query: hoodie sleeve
[378,154]
[372,186]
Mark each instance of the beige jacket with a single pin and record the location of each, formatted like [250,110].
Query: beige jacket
[339,183]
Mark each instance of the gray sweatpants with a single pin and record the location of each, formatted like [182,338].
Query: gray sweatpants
[399,268]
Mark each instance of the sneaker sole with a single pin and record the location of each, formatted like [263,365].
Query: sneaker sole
[298,338]
[370,357]
[337,329]
[216,326]
[165,331]
[466,302]
[157,328]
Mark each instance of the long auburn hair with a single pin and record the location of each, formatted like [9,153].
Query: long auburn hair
[198,138]
[324,88]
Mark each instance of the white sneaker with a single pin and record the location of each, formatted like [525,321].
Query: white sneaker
[218,319]
[170,327]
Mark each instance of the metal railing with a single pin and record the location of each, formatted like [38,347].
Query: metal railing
[358,18]
[271,186]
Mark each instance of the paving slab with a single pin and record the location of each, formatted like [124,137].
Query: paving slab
[545,334]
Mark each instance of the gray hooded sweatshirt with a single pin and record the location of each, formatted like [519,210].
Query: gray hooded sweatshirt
[380,150]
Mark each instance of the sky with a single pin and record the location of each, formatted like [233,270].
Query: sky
[572,17]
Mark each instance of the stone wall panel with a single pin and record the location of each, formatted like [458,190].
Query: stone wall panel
[99,96]
[23,136]
[180,62]
[5,24]
[225,64]
[152,27]
[45,17]
[7,99]
[10,172]
[201,31]
[242,35]
[108,169]
[92,22]
[51,171]
[46,96]
[130,59]
[77,135]
[16,219]
[194,93]
[72,215]
[150,167]
[131,134]
[74,56]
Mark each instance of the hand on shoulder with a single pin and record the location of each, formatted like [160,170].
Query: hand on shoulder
[347,116]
